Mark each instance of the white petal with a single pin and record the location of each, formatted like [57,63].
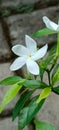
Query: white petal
[58,28]
[49,24]
[31,44]
[40,53]
[18,63]
[32,67]
[20,50]
[58,21]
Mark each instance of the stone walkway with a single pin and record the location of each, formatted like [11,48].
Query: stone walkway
[12,31]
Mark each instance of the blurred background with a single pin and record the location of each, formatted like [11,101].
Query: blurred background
[18,18]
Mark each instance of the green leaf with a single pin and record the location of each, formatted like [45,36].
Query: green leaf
[41,72]
[11,93]
[44,32]
[49,59]
[29,112]
[55,69]
[21,102]
[10,80]
[55,77]
[56,90]
[43,126]
[44,94]
[52,51]
[57,52]
[34,84]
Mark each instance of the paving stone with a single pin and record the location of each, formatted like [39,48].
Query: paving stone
[50,111]
[13,3]
[29,23]
[29,1]
[4,48]
[4,73]
[40,3]
[8,3]
[5,70]
[7,124]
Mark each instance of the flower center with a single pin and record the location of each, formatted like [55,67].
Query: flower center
[29,55]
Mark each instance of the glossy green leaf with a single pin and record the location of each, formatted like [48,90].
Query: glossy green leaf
[55,69]
[53,49]
[49,59]
[20,104]
[56,90]
[43,126]
[34,84]
[11,93]
[41,72]
[57,52]
[55,77]
[29,112]
[44,32]
[10,80]
[44,94]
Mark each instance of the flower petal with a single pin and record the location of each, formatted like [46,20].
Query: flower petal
[31,44]
[58,21]
[32,67]
[20,50]
[40,53]
[18,63]
[49,24]
[58,28]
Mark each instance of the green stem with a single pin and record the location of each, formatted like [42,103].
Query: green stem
[49,77]
[57,52]
[28,76]
[52,67]
[48,72]
[20,128]
[24,91]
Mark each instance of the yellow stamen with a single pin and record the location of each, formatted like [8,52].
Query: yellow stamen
[30,56]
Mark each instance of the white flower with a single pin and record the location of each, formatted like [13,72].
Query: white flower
[51,25]
[28,55]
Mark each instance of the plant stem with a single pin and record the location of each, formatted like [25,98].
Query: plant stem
[28,76]
[31,126]
[57,52]
[24,91]
[48,72]
[49,77]
[19,128]
[52,67]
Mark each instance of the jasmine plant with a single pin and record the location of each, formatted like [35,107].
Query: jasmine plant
[37,63]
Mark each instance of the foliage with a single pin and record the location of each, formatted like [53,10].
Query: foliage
[28,105]
[43,126]
[29,113]
[43,32]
